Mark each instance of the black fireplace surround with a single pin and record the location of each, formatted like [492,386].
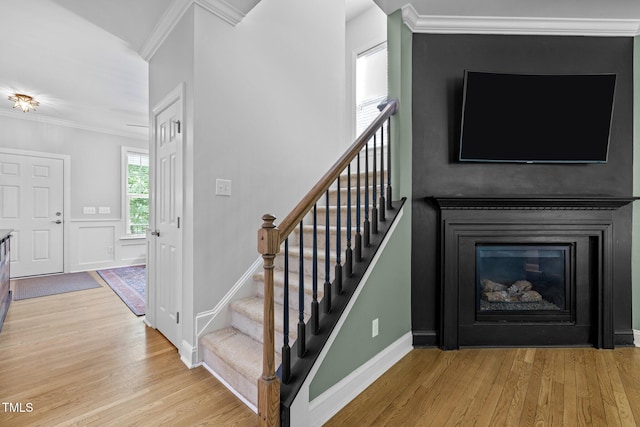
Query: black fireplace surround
[567,205]
[527,271]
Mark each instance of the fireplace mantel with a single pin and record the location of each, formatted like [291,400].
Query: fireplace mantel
[586,224]
[531,202]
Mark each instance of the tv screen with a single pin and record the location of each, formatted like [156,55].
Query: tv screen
[536,118]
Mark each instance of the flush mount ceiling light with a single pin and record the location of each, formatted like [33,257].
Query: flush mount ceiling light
[24,102]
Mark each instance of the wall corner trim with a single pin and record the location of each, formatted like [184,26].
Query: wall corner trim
[232,12]
[442,24]
[189,355]
[636,337]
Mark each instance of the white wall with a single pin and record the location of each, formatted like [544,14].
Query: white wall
[95,180]
[269,116]
[362,33]
[264,109]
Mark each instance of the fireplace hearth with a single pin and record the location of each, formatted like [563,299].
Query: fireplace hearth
[534,271]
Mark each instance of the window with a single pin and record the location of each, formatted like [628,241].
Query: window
[371,85]
[135,164]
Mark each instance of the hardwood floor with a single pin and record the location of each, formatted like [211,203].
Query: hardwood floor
[503,387]
[83,358]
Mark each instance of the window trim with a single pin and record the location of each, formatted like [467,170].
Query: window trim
[124,162]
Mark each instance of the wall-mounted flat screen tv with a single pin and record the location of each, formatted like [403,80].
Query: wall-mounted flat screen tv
[536,118]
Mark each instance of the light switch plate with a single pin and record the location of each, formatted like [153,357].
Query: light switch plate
[223,187]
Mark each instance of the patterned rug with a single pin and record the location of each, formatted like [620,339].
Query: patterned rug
[129,284]
[33,287]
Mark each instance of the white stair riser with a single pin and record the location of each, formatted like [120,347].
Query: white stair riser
[247,387]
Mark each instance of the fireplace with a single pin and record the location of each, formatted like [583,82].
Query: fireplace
[522,282]
[528,271]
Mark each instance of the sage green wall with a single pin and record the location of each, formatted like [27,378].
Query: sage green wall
[387,293]
[385,296]
[635,249]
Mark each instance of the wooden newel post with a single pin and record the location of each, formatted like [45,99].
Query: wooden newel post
[268,384]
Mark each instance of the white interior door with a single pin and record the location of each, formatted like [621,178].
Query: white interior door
[32,200]
[167,212]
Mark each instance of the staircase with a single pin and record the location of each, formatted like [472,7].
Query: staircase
[235,353]
[328,239]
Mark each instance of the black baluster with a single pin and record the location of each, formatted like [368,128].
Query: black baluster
[358,242]
[382,204]
[301,335]
[348,254]
[337,279]
[374,198]
[327,262]
[367,224]
[389,191]
[286,350]
[315,313]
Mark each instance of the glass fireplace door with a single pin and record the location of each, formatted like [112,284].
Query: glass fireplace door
[522,282]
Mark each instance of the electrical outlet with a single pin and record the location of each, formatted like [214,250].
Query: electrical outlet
[374,328]
[223,187]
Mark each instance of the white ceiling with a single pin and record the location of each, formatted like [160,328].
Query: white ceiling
[80,58]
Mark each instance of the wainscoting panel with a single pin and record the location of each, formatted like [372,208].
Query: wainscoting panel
[98,244]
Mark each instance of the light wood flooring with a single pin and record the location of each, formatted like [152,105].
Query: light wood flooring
[84,359]
[503,387]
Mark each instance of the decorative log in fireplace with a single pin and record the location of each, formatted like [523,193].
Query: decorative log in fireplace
[527,271]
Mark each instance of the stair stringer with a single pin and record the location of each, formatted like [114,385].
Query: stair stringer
[302,412]
[220,316]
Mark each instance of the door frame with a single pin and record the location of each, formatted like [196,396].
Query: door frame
[176,95]
[66,195]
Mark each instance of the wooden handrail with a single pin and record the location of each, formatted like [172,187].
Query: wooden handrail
[293,219]
[270,237]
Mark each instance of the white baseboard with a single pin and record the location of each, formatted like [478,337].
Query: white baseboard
[636,337]
[329,403]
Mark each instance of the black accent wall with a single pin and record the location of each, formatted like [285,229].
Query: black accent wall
[439,62]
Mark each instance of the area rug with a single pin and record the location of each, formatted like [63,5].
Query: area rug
[41,286]
[129,284]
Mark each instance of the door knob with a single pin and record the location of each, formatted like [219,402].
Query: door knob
[155,233]
[57,221]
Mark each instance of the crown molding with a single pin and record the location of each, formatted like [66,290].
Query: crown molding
[70,124]
[165,25]
[231,14]
[223,9]
[518,25]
